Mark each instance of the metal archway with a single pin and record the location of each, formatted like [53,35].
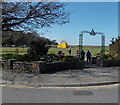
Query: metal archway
[92,33]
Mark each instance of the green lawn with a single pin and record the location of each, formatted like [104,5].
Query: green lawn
[11,50]
[94,50]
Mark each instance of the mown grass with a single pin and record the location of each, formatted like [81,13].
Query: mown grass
[93,49]
[11,50]
[21,51]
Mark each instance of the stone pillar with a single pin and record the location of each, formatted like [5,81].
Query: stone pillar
[42,66]
[9,63]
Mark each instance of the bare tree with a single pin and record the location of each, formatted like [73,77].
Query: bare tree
[29,16]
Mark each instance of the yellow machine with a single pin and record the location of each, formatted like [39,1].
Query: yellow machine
[63,45]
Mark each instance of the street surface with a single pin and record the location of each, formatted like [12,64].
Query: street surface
[21,87]
[101,94]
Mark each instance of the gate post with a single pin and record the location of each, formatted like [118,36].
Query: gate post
[80,43]
[103,44]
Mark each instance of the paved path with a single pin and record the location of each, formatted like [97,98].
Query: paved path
[85,76]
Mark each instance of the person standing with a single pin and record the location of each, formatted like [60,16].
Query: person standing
[77,53]
[59,52]
[69,51]
[88,54]
[62,55]
[82,55]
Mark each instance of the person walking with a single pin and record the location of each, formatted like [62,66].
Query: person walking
[82,55]
[88,54]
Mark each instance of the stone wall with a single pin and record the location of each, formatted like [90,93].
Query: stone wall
[107,63]
[7,63]
[40,66]
[58,66]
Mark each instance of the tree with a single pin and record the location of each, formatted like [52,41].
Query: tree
[19,38]
[115,47]
[29,16]
[38,47]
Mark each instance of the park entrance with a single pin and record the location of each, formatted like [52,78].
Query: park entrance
[92,33]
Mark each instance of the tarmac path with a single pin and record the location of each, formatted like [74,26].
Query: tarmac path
[85,76]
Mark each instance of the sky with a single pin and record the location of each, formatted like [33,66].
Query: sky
[100,16]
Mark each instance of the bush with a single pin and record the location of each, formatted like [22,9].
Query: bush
[17,57]
[7,56]
[115,47]
[111,58]
[22,57]
[38,47]
[50,58]
[69,58]
[107,56]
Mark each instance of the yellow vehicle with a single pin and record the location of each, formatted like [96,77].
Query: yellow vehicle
[63,45]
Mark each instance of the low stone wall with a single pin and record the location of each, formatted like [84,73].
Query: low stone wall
[35,67]
[23,66]
[107,63]
[7,63]
[58,66]
[40,66]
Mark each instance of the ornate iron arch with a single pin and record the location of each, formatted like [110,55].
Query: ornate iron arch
[92,33]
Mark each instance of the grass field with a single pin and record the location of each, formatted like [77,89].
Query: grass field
[21,51]
[93,49]
[11,50]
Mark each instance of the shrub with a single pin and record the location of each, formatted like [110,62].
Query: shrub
[111,58]
[107,56]
[69,58]
[50,58]
[115,47]
[7,56]
[22,57]
[17,57]
[38,48]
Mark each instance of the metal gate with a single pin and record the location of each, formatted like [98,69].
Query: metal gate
[92,33]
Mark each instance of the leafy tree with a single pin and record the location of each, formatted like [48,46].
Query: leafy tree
[16,38]
[38,48]
[115,47]
[29,16]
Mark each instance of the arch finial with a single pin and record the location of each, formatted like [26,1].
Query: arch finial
[93,33]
